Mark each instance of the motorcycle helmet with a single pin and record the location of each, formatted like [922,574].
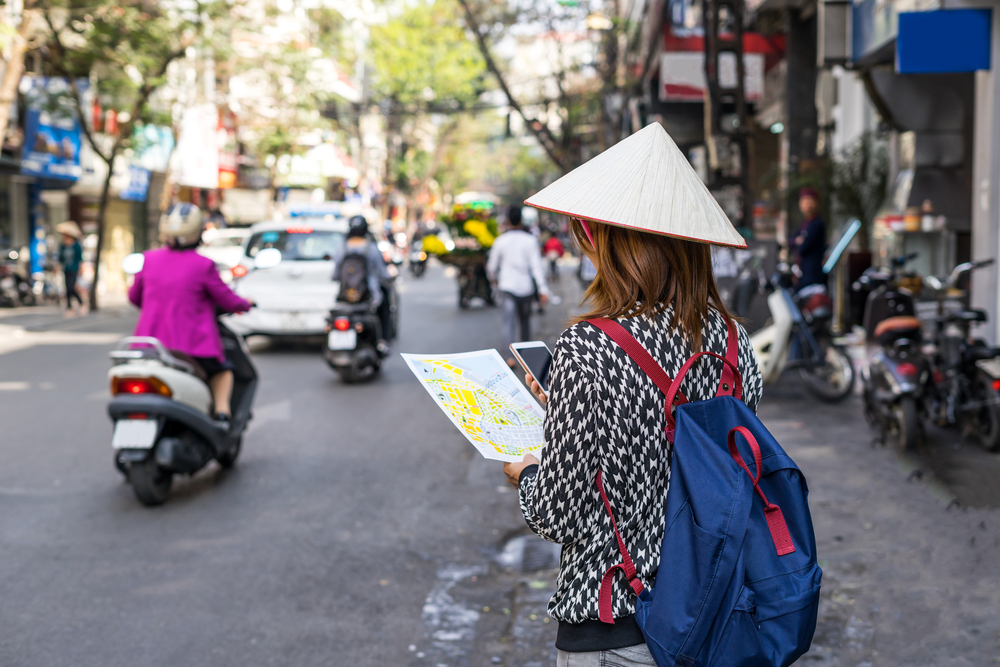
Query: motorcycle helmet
[181,225]
[357,227]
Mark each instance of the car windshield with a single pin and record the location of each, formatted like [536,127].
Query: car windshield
[297,244]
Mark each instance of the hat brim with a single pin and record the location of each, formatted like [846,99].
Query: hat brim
[640,229]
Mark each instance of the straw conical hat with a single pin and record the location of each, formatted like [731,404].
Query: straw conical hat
[70,228]
[643,182]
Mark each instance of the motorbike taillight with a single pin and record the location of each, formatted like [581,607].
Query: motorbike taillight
[907,369]
[137,386]
[342,324]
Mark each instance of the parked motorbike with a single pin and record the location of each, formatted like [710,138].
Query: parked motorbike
[15,289]
[354,332]
[896,380]
[966,378]
[799,337]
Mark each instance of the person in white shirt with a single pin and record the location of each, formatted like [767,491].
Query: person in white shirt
[515,267]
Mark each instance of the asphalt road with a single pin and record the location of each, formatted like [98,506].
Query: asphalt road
[336,540]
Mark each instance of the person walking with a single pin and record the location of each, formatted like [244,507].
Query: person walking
[603,413]
[70,258]
[810,242]
[515,266]
[554,251]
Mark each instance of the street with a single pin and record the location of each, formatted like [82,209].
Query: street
[359,527]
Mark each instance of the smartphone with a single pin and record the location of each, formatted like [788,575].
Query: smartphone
[535,357]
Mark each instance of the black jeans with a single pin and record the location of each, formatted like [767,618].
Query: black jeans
[516,311]
[70,277]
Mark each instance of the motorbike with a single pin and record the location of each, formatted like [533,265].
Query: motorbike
[799,337]
[15,289]
[966,375]
[896,380]
[418,259]
[354,332]
[161,407]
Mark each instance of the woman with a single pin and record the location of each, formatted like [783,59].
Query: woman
[179,292]
[603,413]
[70,257]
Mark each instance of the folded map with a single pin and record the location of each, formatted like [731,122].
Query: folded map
[485,399]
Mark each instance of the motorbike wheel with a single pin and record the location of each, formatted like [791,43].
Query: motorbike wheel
[354,375]
[833,379]
[907,426]
[982,421]
[228,459]
[150,482]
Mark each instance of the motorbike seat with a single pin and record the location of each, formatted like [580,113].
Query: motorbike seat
[893,328]
[195,369]
[972,315]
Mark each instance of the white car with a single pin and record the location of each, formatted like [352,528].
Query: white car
[225,248]
[295,296]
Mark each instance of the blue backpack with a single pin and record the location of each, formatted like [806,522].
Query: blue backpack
[738,583]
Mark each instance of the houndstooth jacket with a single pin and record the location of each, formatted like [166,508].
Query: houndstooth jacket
[604,413]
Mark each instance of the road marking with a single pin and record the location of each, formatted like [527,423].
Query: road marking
[14,386]
[14,338]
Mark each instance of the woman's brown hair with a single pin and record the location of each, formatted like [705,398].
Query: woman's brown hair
[641,273]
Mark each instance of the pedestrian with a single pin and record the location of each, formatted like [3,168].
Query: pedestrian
[70,258]
[810,242]
[602,412]
[554,251]
[515,266]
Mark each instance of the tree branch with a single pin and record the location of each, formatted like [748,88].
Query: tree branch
[533,124]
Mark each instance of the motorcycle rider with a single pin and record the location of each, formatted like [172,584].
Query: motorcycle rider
[377,274]
[178,293]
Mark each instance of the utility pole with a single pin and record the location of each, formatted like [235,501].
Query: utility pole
[726,126]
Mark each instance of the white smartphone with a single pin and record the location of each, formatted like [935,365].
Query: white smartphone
[535,357]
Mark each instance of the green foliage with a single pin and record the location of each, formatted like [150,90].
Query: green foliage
[424,56]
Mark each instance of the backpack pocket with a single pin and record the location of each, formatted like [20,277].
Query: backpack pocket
[774,626]
[678,598]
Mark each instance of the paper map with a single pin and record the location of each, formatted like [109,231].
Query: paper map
[484,399]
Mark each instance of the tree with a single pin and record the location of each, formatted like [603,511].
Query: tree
[579,102]
[426,74]
[14,66]
[127,46]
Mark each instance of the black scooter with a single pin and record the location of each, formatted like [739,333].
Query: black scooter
[896,382]
[354,332]
[161,408]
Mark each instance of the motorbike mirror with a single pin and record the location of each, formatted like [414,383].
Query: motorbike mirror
[933,282]
[268,258]
[132,264]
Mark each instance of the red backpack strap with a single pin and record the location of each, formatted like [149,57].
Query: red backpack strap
[775,519]
[604,601]
[728,383]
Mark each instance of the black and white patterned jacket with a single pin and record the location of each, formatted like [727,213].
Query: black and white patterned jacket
[604,413]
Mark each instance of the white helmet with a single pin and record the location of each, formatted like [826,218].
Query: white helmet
[181,225]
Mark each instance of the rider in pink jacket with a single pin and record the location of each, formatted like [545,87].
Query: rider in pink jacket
[179,292]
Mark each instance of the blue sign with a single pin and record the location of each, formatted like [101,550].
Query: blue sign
[51,130]
[138,184]
[946,40]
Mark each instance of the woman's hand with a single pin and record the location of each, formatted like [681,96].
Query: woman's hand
[513,470]
[536,389]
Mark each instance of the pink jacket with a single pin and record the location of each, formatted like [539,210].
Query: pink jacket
[178,292]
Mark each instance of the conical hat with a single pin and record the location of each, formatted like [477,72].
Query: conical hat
[643,182]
